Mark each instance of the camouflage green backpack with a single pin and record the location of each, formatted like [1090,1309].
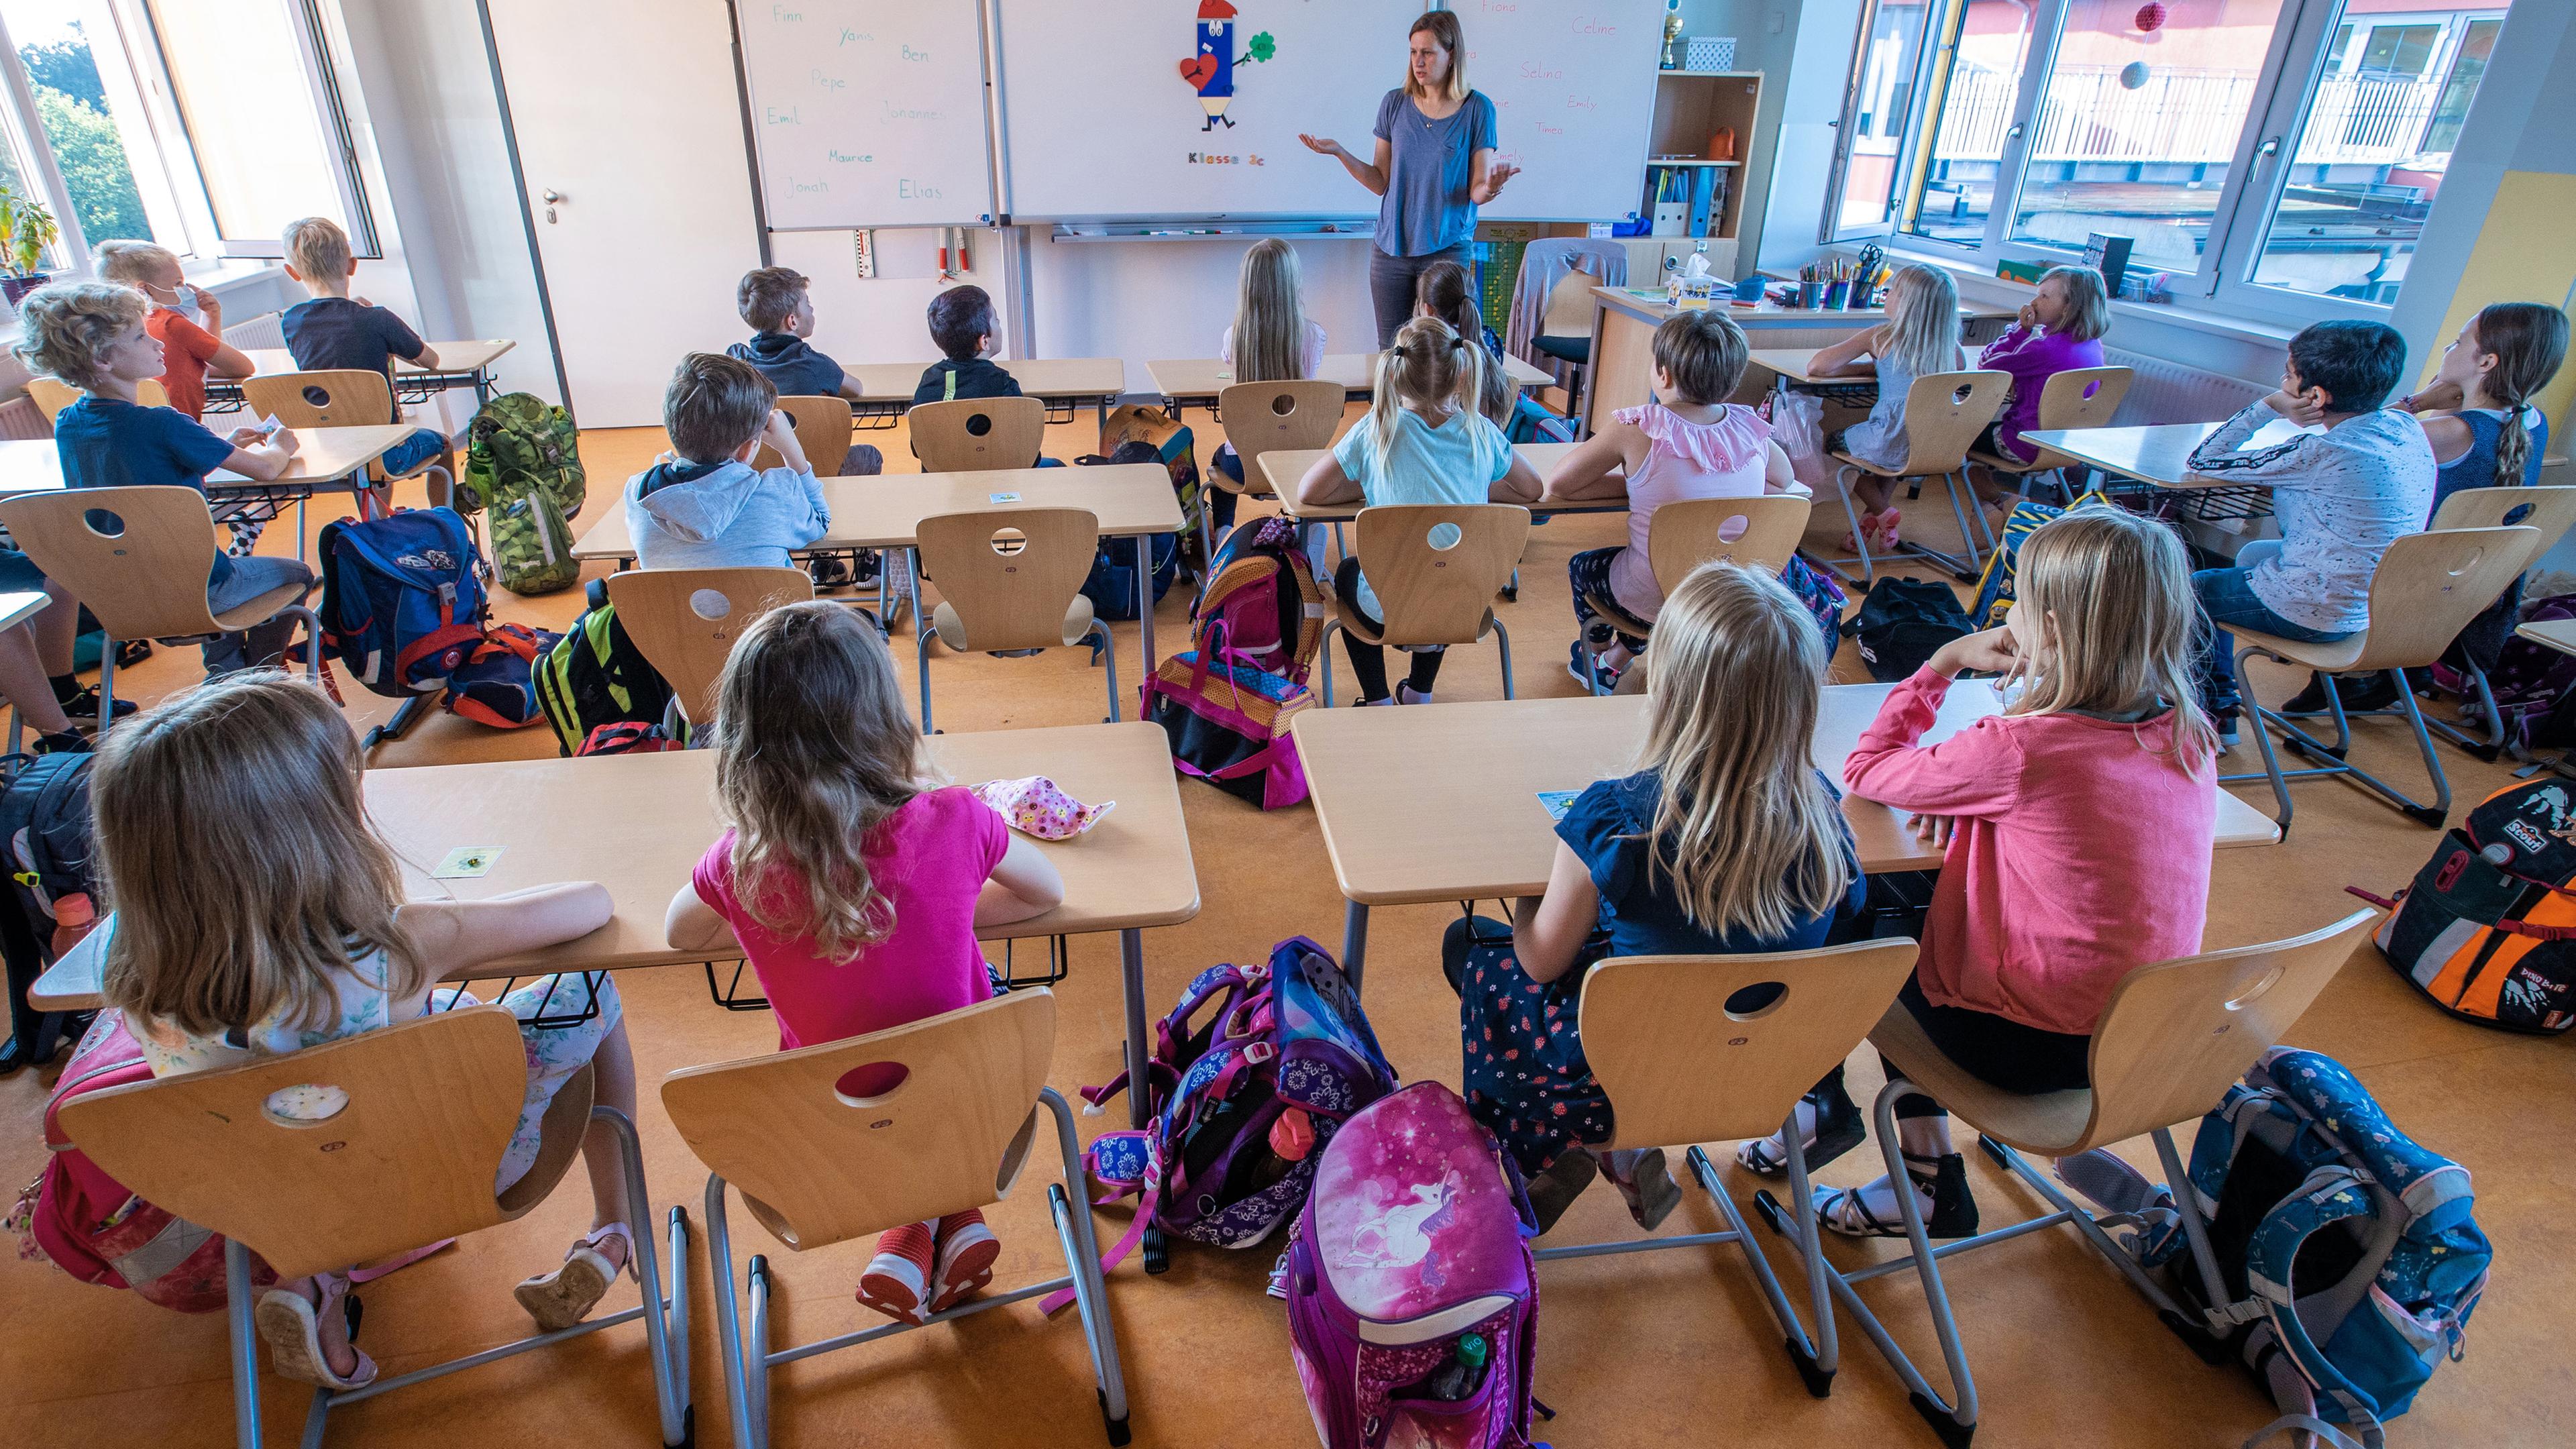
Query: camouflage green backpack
[523,463]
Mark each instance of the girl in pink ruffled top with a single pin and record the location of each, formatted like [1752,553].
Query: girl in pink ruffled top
[1687,444]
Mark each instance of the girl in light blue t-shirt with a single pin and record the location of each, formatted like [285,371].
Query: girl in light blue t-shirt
[1423,441]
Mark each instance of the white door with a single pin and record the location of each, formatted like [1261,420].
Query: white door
[630,143]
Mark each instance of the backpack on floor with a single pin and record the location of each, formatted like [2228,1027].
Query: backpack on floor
[2533,684]
[1412,1295]
[1227,700]
[1902,622]
[1111,585]
[1174,448]
[1995,586]
[628,737]
[1251,1073]
[2351,1250]
[402,599]
[45,839]
[523,463]
[497,683]
[2487,930]
[594,675]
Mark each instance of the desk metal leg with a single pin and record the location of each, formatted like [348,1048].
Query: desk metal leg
[1131,965]
[1145,597]
[1354,941]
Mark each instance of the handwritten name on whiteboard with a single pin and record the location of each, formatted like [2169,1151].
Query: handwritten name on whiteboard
[911,190]
[780,115]
[1586,25]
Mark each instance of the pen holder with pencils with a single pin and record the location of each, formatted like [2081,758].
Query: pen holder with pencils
[1811,295]
[1834,294]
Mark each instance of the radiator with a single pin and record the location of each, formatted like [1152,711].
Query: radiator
[2166,392]
[22,421]
[260,331]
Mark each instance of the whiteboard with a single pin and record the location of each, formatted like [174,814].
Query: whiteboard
[1100,122]
[868,113]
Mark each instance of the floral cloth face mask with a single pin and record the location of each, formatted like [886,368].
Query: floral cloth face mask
[1035,806]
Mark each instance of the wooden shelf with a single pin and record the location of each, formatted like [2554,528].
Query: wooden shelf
[1686,161]
[1711,74]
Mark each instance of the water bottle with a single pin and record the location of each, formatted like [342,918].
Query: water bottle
[1457,1378]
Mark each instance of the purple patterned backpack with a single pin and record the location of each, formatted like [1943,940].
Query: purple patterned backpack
[1251,1074]
[1412,1296]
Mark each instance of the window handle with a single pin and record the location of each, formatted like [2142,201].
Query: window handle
[2013,134]
[2271,147]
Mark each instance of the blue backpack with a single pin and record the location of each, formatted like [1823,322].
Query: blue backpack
[402,599]
[1534,422]
[2351,1249]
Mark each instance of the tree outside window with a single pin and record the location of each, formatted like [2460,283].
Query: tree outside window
[72,104]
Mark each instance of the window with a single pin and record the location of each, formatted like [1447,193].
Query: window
[2284,153]
[265,152]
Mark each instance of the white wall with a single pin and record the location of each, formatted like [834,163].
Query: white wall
[1766,39]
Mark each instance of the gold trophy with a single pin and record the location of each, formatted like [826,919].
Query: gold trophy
[1672,37]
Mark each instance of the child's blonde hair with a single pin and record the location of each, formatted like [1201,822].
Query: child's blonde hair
[133,263]
[64,327]
[2113,594]
[234,847]
[1430,368]
[1750,835]
[317,248]
[1923,321]
[2088,302]
[1270,315]
[813,750]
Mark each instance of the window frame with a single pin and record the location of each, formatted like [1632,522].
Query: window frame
[1831,227]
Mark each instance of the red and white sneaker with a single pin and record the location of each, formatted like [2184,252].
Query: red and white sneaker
[897,1281]
[967,1249]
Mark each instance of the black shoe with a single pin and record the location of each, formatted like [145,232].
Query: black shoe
[83,707]
[2311,700]
[2360,695]
[69,742]
[828,571]
[1553,1191]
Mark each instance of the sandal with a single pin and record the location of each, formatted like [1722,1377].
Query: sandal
[1868,530]
[1884,538]
[292,1328]
[967,1249]
[1645,1183]
[562,1298]
[1832,1130]
[1953,1213]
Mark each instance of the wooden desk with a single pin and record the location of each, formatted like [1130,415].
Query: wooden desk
[1791,363]
[463,363]
[1196,381]
[2558,634]
[18,608]
[323,457]
[1283,467]
[639,823]
[1131,500]
[886,388]
[2157,453]
[1440,802]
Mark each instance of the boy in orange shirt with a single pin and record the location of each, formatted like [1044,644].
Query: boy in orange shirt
[186,320]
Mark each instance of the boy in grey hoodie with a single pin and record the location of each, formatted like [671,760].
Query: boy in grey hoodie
[704,506]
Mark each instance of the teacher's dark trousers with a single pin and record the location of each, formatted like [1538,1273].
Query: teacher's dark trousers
[1391,282]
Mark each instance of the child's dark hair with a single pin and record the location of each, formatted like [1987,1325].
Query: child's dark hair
[2357,363]
[960,319]
[2529,340]
[1704,352]
[767,297]
[1447,289]
[714,405]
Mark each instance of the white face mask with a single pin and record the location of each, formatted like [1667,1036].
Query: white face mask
[182,301]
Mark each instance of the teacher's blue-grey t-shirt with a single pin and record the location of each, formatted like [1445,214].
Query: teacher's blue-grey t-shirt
[1426,209]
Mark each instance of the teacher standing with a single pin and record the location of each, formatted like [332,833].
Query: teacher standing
[1433,167]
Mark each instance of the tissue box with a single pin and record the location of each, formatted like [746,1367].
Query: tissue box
[1710,52]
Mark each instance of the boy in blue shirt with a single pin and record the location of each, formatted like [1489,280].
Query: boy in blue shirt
[91,335]
[703,505]
[335,330]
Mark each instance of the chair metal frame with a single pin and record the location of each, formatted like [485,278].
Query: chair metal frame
[1944,412]
[1045,529]
[1412,522]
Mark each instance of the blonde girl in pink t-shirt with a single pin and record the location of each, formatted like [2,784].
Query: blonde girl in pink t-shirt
[854,882]
[2077,827]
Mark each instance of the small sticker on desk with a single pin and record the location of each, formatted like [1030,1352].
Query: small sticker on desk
[1003,497]
[467,861]
[1557,802]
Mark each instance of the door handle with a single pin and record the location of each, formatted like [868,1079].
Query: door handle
[551,197]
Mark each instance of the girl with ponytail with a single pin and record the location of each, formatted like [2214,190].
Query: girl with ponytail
[2476,411]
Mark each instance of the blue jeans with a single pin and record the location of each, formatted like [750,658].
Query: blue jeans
[425,445]
[2226,598]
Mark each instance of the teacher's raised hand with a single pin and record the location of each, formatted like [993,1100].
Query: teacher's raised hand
[1370,175]
[1491,186]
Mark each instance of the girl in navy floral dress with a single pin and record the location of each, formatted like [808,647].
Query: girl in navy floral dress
[1725,841]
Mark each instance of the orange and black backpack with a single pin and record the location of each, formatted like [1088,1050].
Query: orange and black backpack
[2488,929]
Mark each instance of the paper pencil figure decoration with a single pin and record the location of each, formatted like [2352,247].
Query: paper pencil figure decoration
[1210,71]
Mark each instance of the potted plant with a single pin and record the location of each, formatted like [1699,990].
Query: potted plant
[26,229]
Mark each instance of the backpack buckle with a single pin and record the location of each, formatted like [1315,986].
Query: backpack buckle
[1260,1052]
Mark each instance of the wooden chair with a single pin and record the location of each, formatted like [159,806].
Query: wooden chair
[685,621]
[1692,1049]
[1759,533]
[1944,412]
[822,430]
[2426,590]
[817,1166]
[1263,417]
[51,395]
[431,1106]
[2175,1037]
[973,435]
[1027,598]
[145,579]
[340,398]
[2080,397]
[1435,568]
[2551,510]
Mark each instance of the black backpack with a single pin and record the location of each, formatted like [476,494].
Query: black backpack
[45,839]
[1111,586]
[594,675]
[1902,622]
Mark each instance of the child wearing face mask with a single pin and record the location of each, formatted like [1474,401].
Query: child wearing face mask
[187,321]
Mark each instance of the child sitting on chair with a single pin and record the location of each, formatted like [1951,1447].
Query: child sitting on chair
[702,505]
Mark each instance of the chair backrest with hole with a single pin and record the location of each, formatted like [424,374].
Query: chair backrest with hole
[1014,599]
[51,395]
[1944,412]
[2551,510]
[2084,397]
[1569,306]
[685,621]
[338,398]
[1436,567]
[1690,1049]
[972,435]
[2430,585]
[2179,1033]
[818,1166]
[822,430]
[430,1108]
[1262,417]
[1759,533]
[144,580]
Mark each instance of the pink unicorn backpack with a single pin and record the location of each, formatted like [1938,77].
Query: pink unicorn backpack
[1412,1296]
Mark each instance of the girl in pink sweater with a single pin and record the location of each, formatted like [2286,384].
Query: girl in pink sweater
[2077,825]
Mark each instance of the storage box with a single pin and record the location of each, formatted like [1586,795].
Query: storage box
[1710,52]
[1672,218]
